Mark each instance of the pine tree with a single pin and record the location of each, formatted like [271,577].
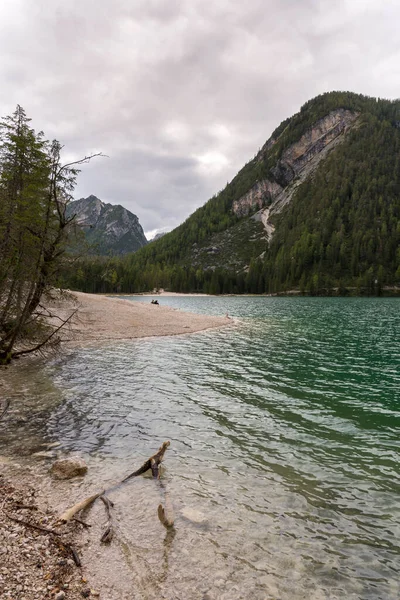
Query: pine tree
[35,188]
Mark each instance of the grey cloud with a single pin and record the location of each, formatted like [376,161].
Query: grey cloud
[180,94]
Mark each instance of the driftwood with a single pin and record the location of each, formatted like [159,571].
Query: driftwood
[152,463]
[60,542]
[71,512]
[86,525]
[71,549]
[109,530]
[166,513]
[32,525]
[166,518]
[75,555]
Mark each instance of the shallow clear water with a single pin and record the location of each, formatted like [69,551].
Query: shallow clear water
[284,435]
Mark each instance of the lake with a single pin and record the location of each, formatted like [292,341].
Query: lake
[284,467]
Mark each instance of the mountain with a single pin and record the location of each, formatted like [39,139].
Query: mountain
[316,210]
[157,236]
[109,229]
[317,207]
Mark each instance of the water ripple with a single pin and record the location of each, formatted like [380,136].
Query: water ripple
[284,434]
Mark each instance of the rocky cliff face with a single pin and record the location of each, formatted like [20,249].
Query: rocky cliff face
[109,229]
[267,197]
[262,193]
[296,164]
[311,144]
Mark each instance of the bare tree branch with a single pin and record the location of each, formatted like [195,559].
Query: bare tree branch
[35,348]
[81,161]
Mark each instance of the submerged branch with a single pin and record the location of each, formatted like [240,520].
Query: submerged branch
[153,461]
[109,530]
[71,512]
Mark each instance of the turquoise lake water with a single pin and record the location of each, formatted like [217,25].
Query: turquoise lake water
[284,434]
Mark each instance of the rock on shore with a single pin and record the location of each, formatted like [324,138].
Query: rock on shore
[66,468]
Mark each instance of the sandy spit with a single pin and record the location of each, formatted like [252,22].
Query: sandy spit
[100,318]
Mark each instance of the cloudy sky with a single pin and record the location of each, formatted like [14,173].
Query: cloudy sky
[181,93]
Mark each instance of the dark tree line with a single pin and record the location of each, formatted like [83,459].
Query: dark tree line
[340,232]
[35,188]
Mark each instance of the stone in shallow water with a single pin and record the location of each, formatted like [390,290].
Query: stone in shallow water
[44,454]
[66,468]
[52,445]
[194,515]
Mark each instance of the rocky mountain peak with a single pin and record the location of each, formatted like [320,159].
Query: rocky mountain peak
[109,228]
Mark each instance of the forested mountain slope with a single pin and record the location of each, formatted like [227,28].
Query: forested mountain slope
[316,209]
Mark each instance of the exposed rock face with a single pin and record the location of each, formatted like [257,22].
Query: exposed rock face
[110,229]
[262,193]
[298,162]
[298,155]
[87,210]
[66,468]
[263,216]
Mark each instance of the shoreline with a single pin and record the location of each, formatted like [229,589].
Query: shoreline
[36,564]
[386,292]
[98,320]
[102,319]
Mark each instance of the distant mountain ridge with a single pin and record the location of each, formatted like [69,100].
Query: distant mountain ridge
[109,229]
[316,210]
[158,236]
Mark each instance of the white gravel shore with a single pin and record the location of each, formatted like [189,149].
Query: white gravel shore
[100,318]
[36,564]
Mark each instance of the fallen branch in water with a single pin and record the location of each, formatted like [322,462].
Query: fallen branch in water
[109,530]
[71,512]
[86,525]
[152,463]
[166,513]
